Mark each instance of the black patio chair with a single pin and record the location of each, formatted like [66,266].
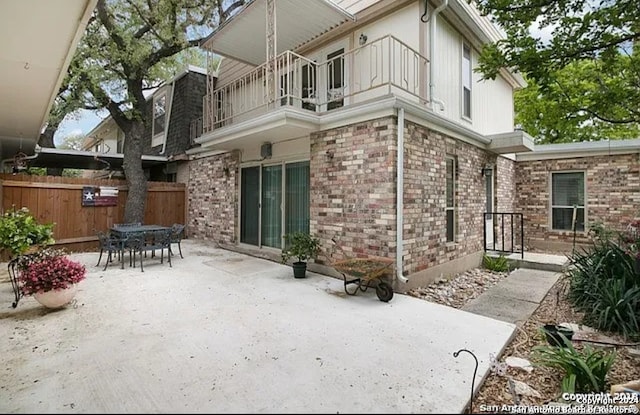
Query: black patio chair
[110,244]
[177,234]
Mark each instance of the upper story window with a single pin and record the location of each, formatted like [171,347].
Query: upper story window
[99,146]
[567,193]
[159,119]
[335,79]
[451,199]
[466,80]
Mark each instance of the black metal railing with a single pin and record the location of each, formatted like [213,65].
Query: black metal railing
[513,242]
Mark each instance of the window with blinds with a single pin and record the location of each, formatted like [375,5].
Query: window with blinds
[567,195]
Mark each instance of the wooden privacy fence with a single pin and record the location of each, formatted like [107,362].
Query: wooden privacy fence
[58,200]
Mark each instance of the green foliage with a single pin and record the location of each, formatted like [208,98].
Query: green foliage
[584,371]
[555,114]
[498,264]
[300,245]
[605,285]
[130,46]
[19,230]
[579,56]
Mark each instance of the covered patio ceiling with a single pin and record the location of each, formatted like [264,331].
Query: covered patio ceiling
[76,159]
[243,37]
[38,42]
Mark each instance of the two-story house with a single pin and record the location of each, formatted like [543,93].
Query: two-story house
[362,121]
[175,114]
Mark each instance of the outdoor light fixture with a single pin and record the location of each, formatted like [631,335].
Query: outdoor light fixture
[362,39]
[487,167]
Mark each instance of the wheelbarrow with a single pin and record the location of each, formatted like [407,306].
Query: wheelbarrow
[364,273]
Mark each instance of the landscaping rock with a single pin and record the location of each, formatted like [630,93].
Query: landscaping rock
[519,363]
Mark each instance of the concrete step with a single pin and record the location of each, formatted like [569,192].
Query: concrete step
[532,260]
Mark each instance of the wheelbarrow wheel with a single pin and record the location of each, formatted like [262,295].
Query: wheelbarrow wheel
[384,291]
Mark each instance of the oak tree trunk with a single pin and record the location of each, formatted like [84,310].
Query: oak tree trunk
[132,166]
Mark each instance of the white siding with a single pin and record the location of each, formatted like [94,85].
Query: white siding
[447,69]
[492,105]
[403,24]
[491,101]
[230,70]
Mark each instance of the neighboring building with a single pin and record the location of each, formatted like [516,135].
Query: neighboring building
[175,114]
[310,140]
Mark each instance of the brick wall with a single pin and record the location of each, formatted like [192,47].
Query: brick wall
[213,198]
[506,185]
[353,189]
[424,198]
[506,237]
[612,186]
[353,184]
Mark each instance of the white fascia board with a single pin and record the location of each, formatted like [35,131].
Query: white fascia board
[580,149]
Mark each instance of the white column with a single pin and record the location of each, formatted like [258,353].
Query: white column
[271,50]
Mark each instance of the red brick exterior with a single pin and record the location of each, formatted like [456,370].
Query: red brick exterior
[424,201]
[213,198]
[506,185]
[612,194]
[353,199]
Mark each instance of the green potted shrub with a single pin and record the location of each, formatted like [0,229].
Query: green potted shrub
[301,246]
[19,231]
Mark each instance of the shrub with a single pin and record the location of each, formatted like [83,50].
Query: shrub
[584,371]
[19,230]
[300,245]
[498,264]
[603,283]
[49,270]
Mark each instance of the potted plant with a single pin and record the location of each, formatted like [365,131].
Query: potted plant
[19,231]
[302,246]
[50,276]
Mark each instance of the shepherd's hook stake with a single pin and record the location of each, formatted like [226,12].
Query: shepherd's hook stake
[455,354]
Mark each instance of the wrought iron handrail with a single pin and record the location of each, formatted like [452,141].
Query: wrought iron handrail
[502,216]
[385,64]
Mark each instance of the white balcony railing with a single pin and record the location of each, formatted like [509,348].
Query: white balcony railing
[379,67]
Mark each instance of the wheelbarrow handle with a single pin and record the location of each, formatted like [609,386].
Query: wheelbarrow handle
[339,247]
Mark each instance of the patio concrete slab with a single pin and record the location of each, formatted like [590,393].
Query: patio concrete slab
[515,298]
[221,332]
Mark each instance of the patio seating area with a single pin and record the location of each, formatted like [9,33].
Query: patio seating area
[137,240]
[229,333]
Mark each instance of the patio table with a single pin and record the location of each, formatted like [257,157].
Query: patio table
[123,232]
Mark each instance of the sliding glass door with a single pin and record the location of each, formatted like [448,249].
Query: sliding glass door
[273,197]
[250,205]
[271,206]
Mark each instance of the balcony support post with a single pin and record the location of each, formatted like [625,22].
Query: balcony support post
[271,51]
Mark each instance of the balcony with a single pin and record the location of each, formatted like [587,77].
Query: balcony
[293,82]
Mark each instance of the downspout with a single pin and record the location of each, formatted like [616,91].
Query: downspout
[400,199]
[432,48]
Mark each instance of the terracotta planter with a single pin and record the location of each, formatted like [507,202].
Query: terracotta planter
[56,298]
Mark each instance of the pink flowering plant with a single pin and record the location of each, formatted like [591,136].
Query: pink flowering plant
[49,270]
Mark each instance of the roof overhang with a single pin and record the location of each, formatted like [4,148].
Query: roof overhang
[511,142]
[297,22]
[274,127]
[86,160]
[581,149]
[39,39]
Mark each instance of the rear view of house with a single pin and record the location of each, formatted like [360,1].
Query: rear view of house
[360,121]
